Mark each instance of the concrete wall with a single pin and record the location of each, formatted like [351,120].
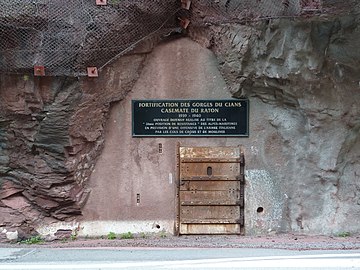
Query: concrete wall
[129,166]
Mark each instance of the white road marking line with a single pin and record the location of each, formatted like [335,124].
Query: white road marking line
[302,261]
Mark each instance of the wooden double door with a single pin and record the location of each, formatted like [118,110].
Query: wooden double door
[211,190]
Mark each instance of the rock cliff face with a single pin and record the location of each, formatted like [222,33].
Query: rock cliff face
[51,134]
[307,74]
[302,74]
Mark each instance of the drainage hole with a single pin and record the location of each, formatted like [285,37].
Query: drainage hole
[260,210]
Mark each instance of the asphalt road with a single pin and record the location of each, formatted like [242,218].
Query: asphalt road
[175,258]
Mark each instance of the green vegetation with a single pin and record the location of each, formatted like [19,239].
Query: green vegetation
[143,235]
[127,235]
[163,234]
[73,237]
[111,236]
[344,234]
[33,240]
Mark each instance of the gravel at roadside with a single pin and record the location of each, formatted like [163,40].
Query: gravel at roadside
[282,241]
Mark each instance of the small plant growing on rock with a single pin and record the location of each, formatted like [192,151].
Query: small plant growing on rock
[163,234]
[33,240]
[127,235]
[73,236]
[344,234]
[143,235]
[111,236]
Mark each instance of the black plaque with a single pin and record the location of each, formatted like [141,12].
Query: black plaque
[180,118]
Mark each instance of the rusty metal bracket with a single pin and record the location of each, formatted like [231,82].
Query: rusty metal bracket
[242,179]
[39,71]
[177,191]
[92,72]
[242,159]
[184,22]
[242,166]
[185,4]
[242,216]
[101,2]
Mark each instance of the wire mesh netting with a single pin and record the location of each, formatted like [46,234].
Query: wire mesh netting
[240,11]
[66,37]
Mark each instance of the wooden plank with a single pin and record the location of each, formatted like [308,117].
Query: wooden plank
[210,160]
[228,197]
[210,229]
[209,185]
[201,169]
[213,203]
[211,221]
[209,212]
[211,178]
[209,152]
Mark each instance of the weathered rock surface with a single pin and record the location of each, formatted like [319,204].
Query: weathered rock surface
[303,75]
[307,76]
[51,134]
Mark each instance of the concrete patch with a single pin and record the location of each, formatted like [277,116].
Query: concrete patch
[100,228]
[51,229]
[264,202]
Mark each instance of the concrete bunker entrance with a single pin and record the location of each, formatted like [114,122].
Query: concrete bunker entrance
[211,190]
